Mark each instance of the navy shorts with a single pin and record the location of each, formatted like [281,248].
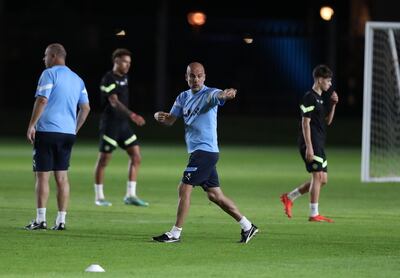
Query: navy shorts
[319,162]
[52,151]
[201,170]
[114,135]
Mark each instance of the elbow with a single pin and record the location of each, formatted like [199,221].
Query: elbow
[86,108]
[42,100]
[113,102]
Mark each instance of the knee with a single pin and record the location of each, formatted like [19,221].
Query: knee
[184,192]
[323,179]
[103,161]
[136,159]
[215,198]
[61,179]
[320,178]
[212,197]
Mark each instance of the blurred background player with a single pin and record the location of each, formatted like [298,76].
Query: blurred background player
[52,131]
[199,107]
[316,114]
[115,129]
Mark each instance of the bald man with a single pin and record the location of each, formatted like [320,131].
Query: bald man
[52,130]
[198,107]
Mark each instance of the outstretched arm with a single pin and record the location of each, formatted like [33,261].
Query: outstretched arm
[227,94]
[164,118]
[115,103]
[38,108]
[334,100]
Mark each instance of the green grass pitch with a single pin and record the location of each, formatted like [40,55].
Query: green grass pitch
[364,241]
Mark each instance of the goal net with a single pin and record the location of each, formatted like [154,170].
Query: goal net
[380,159]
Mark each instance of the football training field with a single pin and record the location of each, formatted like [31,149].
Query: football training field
[364,241]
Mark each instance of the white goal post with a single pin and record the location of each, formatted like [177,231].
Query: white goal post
[380,157]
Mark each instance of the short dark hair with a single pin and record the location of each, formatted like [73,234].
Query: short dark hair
[119,52]
[57,49]
[322,71]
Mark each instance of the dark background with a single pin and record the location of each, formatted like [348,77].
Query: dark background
[270,74]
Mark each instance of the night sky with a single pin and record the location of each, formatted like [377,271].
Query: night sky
[274,71]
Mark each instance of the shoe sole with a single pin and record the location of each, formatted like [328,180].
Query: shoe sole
[99,205]
[36,229]
[311,220]
[168,241]
[138,205]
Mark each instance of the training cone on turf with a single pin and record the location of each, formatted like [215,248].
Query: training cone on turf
[95,268]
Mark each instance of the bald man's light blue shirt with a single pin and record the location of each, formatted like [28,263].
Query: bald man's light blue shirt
[199,111]
[64,91]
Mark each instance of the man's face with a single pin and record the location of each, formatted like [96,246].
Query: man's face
[325,83]
[195,78]
[123,64]
[48,58]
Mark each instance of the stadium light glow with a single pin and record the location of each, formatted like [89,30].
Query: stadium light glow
[248,39]
[196,18]
[326,13]
[120,33]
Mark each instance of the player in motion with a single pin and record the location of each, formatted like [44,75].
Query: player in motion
[115,129]
[199,106]
[315,116]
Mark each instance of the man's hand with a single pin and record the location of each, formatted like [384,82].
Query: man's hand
[334,98]
[137,119]
[309,154]
[227,94]
[161,116]
[30,134]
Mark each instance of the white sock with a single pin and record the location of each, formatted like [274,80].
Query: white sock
[294,195]
[98,190]
[61,217]
[314,209]
[245,224]
[176,232]
[131,188]
[40,215]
